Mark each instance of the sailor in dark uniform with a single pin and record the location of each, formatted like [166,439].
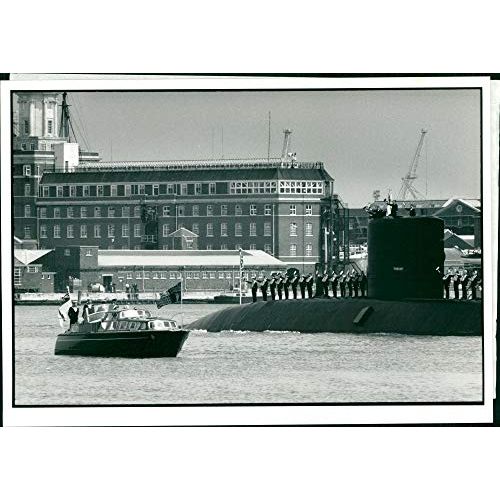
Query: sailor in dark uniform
[456,284]
[319,285]
[363,281]
[294,282]
[334,280]
[309,286]
[342,284]
[73,313]
[355,283]
[324,284]
[272,286]
[446,284]
[263,289]
[302,285]
[280,286]
[286,285]
[465,281]
[254,287]
[474,282]
[348,282]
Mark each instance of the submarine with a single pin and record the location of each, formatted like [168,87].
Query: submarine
[404,293]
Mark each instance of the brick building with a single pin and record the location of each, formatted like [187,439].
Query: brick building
[33,271]
[228,204]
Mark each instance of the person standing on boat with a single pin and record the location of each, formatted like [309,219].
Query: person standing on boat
[474,282]
[294,283]
[302,286]
[456,284]
[73,312]
[342,284]
[286,285]
[446,284]
[279,287]
[263,289]
[363,281]
[334,280]
[319,285]
[272,286]
[324,284]
[355,283]
[309,286]
[465,281]
[254,287]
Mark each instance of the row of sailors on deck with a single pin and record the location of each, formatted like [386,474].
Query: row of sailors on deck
[465,286]
[344,284]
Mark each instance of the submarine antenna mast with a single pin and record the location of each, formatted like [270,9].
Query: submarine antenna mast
[407,184]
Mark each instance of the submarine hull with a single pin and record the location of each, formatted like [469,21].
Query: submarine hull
[350,315]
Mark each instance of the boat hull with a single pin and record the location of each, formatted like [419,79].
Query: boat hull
[150,344]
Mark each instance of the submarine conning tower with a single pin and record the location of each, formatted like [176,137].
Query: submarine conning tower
[405,258]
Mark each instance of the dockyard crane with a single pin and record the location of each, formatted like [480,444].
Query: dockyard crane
[407,185]
[286,146]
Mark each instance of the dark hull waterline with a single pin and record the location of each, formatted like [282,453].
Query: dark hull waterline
[151,344]
[350,315]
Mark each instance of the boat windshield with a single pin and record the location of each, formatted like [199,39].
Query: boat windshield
[162,324]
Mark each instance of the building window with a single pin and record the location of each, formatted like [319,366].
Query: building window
[111,212]
[49,126]
[128,190]
[170,188]
[223,229]
[57,231]
[196,229]
[57,213]
[83,212]
[23,146]
[184,189]
[43,231]
[69,231]
[141,189]
[210,229]
[97,212]
[223,246]
[26,127]
[237,210]
[223,209]
[27,210]
[137,211]
[180,210]
[111,230]
[43,213]
[237,229]
[253,229]
[309,250]
[210,210]
[86,191]
[45,191]
[114,190]
[309,229]
[69,212]
[83,231]
[267,209]
[17,276]
[26,170]
[267,248]
[125,232]
[59,191]
[33,269]
[156,189]
[197,188]
[125,211]
[27,190]
[32,146]
[166,230]
[196,210]
[253,209]
[166,210]
[267,229]
[155,275]
[211,188]
[293,229]
[137,230]
[253,246]
[72,191]
[100,190]
[309,209]
[293,250]
[293,210]
[97,231]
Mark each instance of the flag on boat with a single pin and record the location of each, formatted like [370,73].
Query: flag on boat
[241,260]
[170,296]
[62,312]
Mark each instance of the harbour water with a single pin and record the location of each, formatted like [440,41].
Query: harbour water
[247,367]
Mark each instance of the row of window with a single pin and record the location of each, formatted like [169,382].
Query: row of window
[83,212]
[167,230]
[184,189]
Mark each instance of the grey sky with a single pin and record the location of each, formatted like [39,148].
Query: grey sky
[366,139]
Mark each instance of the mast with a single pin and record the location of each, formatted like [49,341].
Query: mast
[65,120]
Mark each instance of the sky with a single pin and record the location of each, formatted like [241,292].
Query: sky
[366,139]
